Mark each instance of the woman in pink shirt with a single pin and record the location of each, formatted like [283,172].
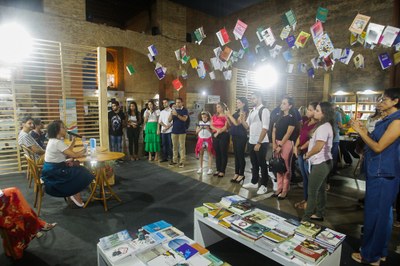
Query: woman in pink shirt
[219,125]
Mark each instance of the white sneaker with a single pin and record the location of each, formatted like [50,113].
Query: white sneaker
[250,185]
[262,190]
[200,170]
[274,185]
[210,172]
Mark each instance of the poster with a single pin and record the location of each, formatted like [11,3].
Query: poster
[70,119]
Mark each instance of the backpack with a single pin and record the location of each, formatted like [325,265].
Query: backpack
[260,113]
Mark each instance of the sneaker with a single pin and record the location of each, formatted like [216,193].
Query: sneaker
[181,165]
[209,172]
[300,185]
[274,185]
[200,170]
[250,185]
[262,190]
[172,163]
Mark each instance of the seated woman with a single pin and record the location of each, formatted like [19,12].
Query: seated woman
[19,223]
[59,177]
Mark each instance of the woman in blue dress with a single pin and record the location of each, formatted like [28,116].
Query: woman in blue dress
[60,178]
[382,169]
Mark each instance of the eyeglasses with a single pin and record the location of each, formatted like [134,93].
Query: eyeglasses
[382,99]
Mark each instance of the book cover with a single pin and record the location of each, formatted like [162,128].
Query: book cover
[285,32]
[150,57]
[265,244]
[308,229]
[227,201]
[389,35]
[157,226]
[239,29]
[346,55]
[396,58]
[273,237]
[186,251]
[359,23]
[178,241]
[198,260]
[214,260]
[322,14]
[152,49]
[119,252]
[113,240]
[230,219]
[193,63]
[361,37]
[331,237]
[359,61]
[241,224]
[310,251]
[212,75]
[353,38]
[226,54]
[177,84]
[203,210]
[242,207]
[385,60]
[167,258]
[199,35]
[222,213]
[374,32]
[284,229]
[178,54]
[130,69]
[289,18]
[223,37]
[244,42]
[324,45]
[287,247]
[202,250]
[255,216]
[159,71]
[171,232]
[317,29]
[255,230]
[301,39]
[291,41]
[212,206]
[274,52]
[150,254]
[287,55]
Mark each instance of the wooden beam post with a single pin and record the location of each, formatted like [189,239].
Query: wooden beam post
[102,87]
[327,86]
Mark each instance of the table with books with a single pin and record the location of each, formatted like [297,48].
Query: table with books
[286,241]
[156,244]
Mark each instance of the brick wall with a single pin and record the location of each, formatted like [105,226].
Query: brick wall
[61,8]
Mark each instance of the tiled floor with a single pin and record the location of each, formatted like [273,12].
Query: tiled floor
[343,210]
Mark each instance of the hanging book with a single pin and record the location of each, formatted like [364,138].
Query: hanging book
[302,39]
[239,29]
[152,49]
[223,37]
[287,55]
[275,51]
[359,23]
[285,32]
[216,63]
[266,35]
[151,58]
[227,74]
[389,35]
[184,74]
[160,71]
[289,18]
[201,70]
[212,75]
[193,63]
[245,43]
[291,41]
[359,61]
[353,38]
[346,55]
[361,37]
[374,31]
[289,68]
[337,52]
[310,72]
[199,35]
[322,14]
[217,51]
[317,29]
[226,54]
[130,69]
[185,59]
[302,68]
[385,60]
[177,84]
[396,58]
[178,55]
[324,45]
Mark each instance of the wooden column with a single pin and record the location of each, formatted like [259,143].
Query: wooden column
[102,87]
[327,86]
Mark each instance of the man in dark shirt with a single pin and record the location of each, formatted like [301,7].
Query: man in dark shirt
[116,121]
[179,115]
[37,132]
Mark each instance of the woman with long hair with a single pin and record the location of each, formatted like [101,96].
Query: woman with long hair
[319,157]
[283,145]
[60,179]
[382,171]
[133,130]
[219,125]
[300,148]
[152,130]
[239,137]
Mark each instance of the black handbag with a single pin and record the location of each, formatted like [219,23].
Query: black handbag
[277,165]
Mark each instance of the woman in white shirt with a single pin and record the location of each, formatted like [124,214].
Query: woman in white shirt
[320,161]
[60,179]
[152,130]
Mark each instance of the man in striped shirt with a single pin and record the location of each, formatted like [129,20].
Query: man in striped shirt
[24,138]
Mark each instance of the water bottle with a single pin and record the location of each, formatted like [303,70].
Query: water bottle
[92,147]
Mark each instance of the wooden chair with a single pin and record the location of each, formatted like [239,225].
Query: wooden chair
[38,183]
[27,151]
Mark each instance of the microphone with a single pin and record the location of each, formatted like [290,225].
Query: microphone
[74,134]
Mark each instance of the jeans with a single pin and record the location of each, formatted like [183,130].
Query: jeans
[335,155]
[303,165]
[258,160]
[239,146]
[220,144]
[116,143]
[166,141]
[178,141]
[133,140]
[316,201]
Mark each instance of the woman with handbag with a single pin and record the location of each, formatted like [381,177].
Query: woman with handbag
[300,148]
[283,145]
[61,177]
[319,158]
[382,172]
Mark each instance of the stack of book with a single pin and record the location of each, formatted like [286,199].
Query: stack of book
[253,232]
[330,239]
[310,251]
[308,230]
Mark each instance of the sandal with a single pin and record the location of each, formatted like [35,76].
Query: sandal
[298,204]
[357,257]
[48,227]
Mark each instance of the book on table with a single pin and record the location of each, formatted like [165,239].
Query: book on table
[186,251]
[241,224]
[310,251]
[203,210]
[287,247]
[157,226]
[241,207]
[171,232]
[308,229]
[330,239]
[113,240]
[254,231]
[273,237]
[212,206]
[119,252]
[229,200]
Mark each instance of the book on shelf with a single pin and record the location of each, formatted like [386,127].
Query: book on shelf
[230,219]
[310,251]
[156,226]
[227,201]
[119,252]
[307,229]
[113,240]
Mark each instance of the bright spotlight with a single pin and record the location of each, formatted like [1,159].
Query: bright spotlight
[203,93]
[16,43]
[266,76]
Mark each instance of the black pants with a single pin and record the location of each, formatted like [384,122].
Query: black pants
[347,148]
[239,146]
[258,160]
[133,139]
[220,144]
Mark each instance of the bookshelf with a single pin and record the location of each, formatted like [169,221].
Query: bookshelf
[347,101]
[366,103]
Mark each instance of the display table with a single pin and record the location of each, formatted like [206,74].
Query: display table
[206,233]
[131,260]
